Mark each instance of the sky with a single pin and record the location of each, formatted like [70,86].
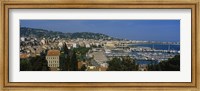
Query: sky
[149,30]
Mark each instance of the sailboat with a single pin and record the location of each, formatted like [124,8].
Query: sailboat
[153,48]
[169,48]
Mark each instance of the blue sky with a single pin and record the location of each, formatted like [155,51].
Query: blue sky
[150,30]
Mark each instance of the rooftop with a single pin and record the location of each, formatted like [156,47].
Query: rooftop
[24,56]
[53,53]
[99,56]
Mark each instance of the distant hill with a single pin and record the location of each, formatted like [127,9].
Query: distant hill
[41,33]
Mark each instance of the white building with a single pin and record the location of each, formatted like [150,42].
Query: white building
[53,58]
[87,45]
[42,41]
[22,39]
[60,45]
[74,45]
[69,45]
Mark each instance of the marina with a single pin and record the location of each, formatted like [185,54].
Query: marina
[147,53]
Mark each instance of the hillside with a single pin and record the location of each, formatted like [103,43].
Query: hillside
[41,33]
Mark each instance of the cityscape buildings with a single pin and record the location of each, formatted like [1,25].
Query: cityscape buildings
[48,50]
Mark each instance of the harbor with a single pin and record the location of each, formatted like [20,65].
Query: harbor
[144,54]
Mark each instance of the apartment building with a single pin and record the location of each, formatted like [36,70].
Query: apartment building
[53,58]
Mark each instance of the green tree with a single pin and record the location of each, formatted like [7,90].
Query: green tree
[44,61]
[122,64]
[64,58]
[83,68]
[63,62]
[39,63]
[68,58]
[115,65]
[74,62]
[25,65]
[65,48]
[69,61]
[153,67]
[172,64]
[128,64]
[81,50]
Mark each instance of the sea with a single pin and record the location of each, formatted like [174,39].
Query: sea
[159,46]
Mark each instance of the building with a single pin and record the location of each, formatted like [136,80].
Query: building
[80,64]
[74,45]
[99,58]
[87,45]
[60,45]
[24,56]
[53,58]
[69,45]
[109,45]
[22,39]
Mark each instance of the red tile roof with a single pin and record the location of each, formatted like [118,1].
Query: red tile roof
[24,56]
[53,53]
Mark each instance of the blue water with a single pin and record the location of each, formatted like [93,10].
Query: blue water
[159,46]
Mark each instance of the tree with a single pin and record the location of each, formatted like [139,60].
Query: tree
[39,63]
[114,65]
[68,62]
[83,68]
[81,50]
[172,64]
[25,65]
[65,58]
[65,48]
[68,58]
[63,62]
[128,64]
[44,61]
[74,62]
[122,64]
[153,67]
